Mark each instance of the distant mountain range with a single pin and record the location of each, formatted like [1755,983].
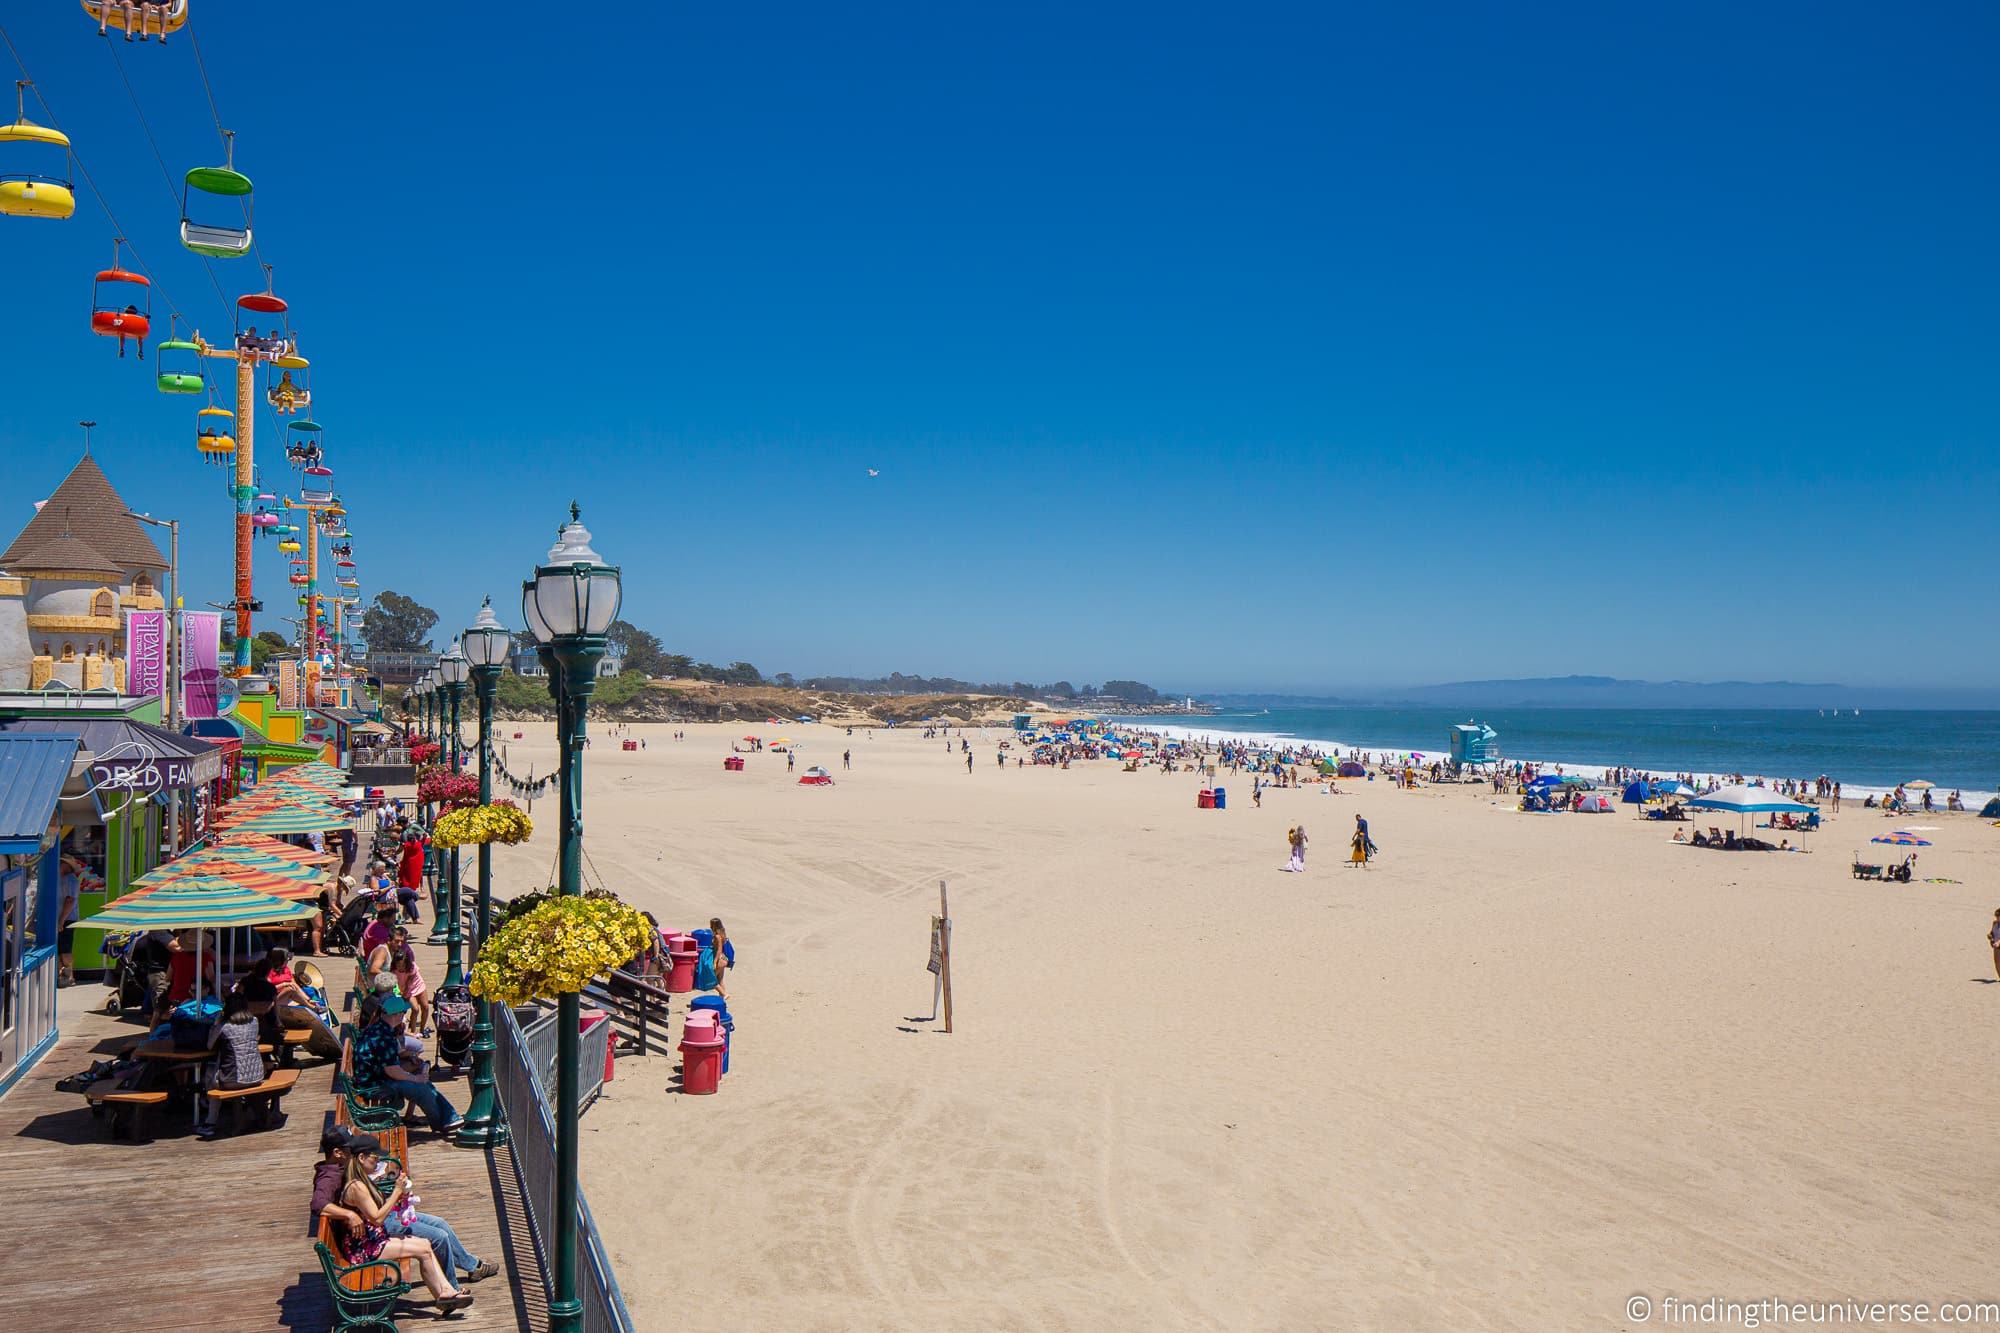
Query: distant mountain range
[1613,692]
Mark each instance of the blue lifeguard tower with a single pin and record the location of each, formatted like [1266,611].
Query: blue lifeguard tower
[1474,743]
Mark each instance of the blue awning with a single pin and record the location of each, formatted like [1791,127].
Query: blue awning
[33,770]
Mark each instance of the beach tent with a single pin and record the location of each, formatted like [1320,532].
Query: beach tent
[1747,801]
[1594,805]
[1992,810]
[1750,801]
[1636,794]
[816,777]
[1353,769]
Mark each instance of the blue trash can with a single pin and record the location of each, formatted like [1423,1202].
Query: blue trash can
[723,1019]
[1222,798]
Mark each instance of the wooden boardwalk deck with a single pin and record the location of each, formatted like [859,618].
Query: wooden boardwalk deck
[178,1234]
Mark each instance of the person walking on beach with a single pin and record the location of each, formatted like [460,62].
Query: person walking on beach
[1297,838]
[1993,938]
[968,761]
[847,756]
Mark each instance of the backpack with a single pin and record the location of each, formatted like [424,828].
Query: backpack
[704,968]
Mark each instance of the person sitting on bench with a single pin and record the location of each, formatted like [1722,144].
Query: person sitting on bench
[234,1040]
[372,1243]
[379,1071]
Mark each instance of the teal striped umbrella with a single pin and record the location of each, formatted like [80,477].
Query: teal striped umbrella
[286,819]
[196,902]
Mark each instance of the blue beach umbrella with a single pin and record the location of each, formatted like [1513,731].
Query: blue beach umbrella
[1902,840]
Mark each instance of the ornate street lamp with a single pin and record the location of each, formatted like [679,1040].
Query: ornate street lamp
[487,644]
[569,605]
[454,669]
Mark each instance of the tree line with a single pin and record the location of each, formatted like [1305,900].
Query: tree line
[395,623]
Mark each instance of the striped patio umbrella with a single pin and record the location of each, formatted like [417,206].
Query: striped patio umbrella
[1902,840]
[247,877]
[226,861]
[285,819]
[267,845]
[196,902]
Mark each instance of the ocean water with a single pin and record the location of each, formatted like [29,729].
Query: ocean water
[1871,751]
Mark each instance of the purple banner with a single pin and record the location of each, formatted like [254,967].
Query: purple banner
[201,662]
[146,654]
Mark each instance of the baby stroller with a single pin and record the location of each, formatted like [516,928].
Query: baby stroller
[344,935]
[454,1014]
[133,972]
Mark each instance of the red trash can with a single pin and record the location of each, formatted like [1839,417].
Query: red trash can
[1204,799]
[589,1019]
[701,1067]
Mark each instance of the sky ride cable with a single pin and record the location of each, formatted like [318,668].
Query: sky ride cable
[117,228]
[215,113]
[173,192]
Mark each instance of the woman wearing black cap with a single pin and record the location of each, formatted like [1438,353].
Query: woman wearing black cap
[364,1153]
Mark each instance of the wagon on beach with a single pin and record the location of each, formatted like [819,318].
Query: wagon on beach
[1862,870]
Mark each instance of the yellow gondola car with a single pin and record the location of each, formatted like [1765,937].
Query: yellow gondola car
[143,18]
[215,434]
[25,194]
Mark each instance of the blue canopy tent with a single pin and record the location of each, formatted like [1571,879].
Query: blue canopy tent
[1636,793]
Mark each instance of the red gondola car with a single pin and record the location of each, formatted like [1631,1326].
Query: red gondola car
[118,312]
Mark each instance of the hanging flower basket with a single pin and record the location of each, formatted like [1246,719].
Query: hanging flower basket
[423,752]
[557,948]
[452,791]
[501,821]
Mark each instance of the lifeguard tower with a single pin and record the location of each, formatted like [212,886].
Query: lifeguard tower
[1474,743]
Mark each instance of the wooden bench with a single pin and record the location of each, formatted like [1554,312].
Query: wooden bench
[365,1294]
[126,1106]
[262,1101]
[289,1042]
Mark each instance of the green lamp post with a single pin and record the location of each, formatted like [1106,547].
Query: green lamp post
[454,669]
[569,605]
[486,645]
[434,698]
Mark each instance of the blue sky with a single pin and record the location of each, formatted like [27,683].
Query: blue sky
[1276,347]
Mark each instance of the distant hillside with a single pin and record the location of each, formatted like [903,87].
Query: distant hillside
[1612,692]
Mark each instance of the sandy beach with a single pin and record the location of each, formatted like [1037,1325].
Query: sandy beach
[1517,1071]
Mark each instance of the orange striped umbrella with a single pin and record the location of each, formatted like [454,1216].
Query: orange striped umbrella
[245,877]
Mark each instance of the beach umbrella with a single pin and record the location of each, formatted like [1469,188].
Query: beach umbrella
[1902,840]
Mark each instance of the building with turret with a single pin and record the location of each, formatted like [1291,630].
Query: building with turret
[66,582]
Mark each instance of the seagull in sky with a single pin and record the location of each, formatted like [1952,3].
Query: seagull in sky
[873,473]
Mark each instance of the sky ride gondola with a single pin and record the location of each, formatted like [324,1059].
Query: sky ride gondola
[316,484]
[264,522]
[302,446]
[290,544]
[25,194]
[223,182]
[107,317]
[291,389]
[147,18]
[215,434]
[179,365]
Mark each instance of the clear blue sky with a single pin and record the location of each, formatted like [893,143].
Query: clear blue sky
[1248,347]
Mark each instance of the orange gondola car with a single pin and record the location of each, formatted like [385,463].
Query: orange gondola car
[116,310]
